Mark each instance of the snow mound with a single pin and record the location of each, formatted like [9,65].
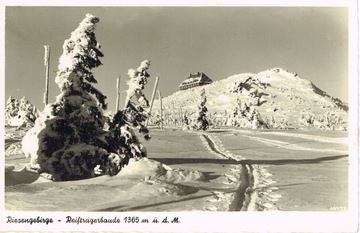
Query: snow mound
[164,179]
[176,189]
[153,170]
[181,175]
[144,168]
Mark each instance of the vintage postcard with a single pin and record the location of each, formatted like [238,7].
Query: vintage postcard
[166,117]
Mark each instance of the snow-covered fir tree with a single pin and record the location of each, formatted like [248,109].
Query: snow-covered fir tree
[20,112]
[202,122]
[68,140]
[122,137]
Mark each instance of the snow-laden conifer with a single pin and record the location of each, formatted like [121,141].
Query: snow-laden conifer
[122,137]
[202,122]
[68,139]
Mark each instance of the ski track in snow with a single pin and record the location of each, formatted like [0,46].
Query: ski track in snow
[254,181]
[231,179]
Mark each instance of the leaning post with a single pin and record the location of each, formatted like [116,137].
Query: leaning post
[161,120]
[152,98]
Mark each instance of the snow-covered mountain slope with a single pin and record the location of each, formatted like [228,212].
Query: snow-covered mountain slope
[277,94]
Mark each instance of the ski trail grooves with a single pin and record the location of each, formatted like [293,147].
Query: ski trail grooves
[242,197]
[212,146]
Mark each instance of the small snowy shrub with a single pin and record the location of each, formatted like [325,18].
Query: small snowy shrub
[279,123]
[282,124]
[245,116]
[333,121]
[307,119]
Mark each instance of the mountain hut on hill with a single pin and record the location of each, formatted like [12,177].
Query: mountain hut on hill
[194,80]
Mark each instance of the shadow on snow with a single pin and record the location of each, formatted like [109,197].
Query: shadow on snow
[172,161]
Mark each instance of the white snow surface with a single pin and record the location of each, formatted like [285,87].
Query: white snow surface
[183,172]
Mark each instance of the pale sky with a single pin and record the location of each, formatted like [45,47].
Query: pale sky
[219,41]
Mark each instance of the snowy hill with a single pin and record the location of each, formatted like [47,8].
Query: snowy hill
[20,112]
[283,99]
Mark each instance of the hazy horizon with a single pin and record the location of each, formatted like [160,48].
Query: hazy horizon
[219,41]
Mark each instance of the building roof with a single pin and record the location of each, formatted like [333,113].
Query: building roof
[195,79]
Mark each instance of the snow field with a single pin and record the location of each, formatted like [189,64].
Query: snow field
[185,172]
[294,177]
[150,183]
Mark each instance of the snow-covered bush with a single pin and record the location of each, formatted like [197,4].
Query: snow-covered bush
[330,121]
[281,123]
[189,120]
[307,119]
[20,112]
[68,140]
[245,116]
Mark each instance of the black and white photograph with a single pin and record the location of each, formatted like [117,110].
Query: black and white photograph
[170,118]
